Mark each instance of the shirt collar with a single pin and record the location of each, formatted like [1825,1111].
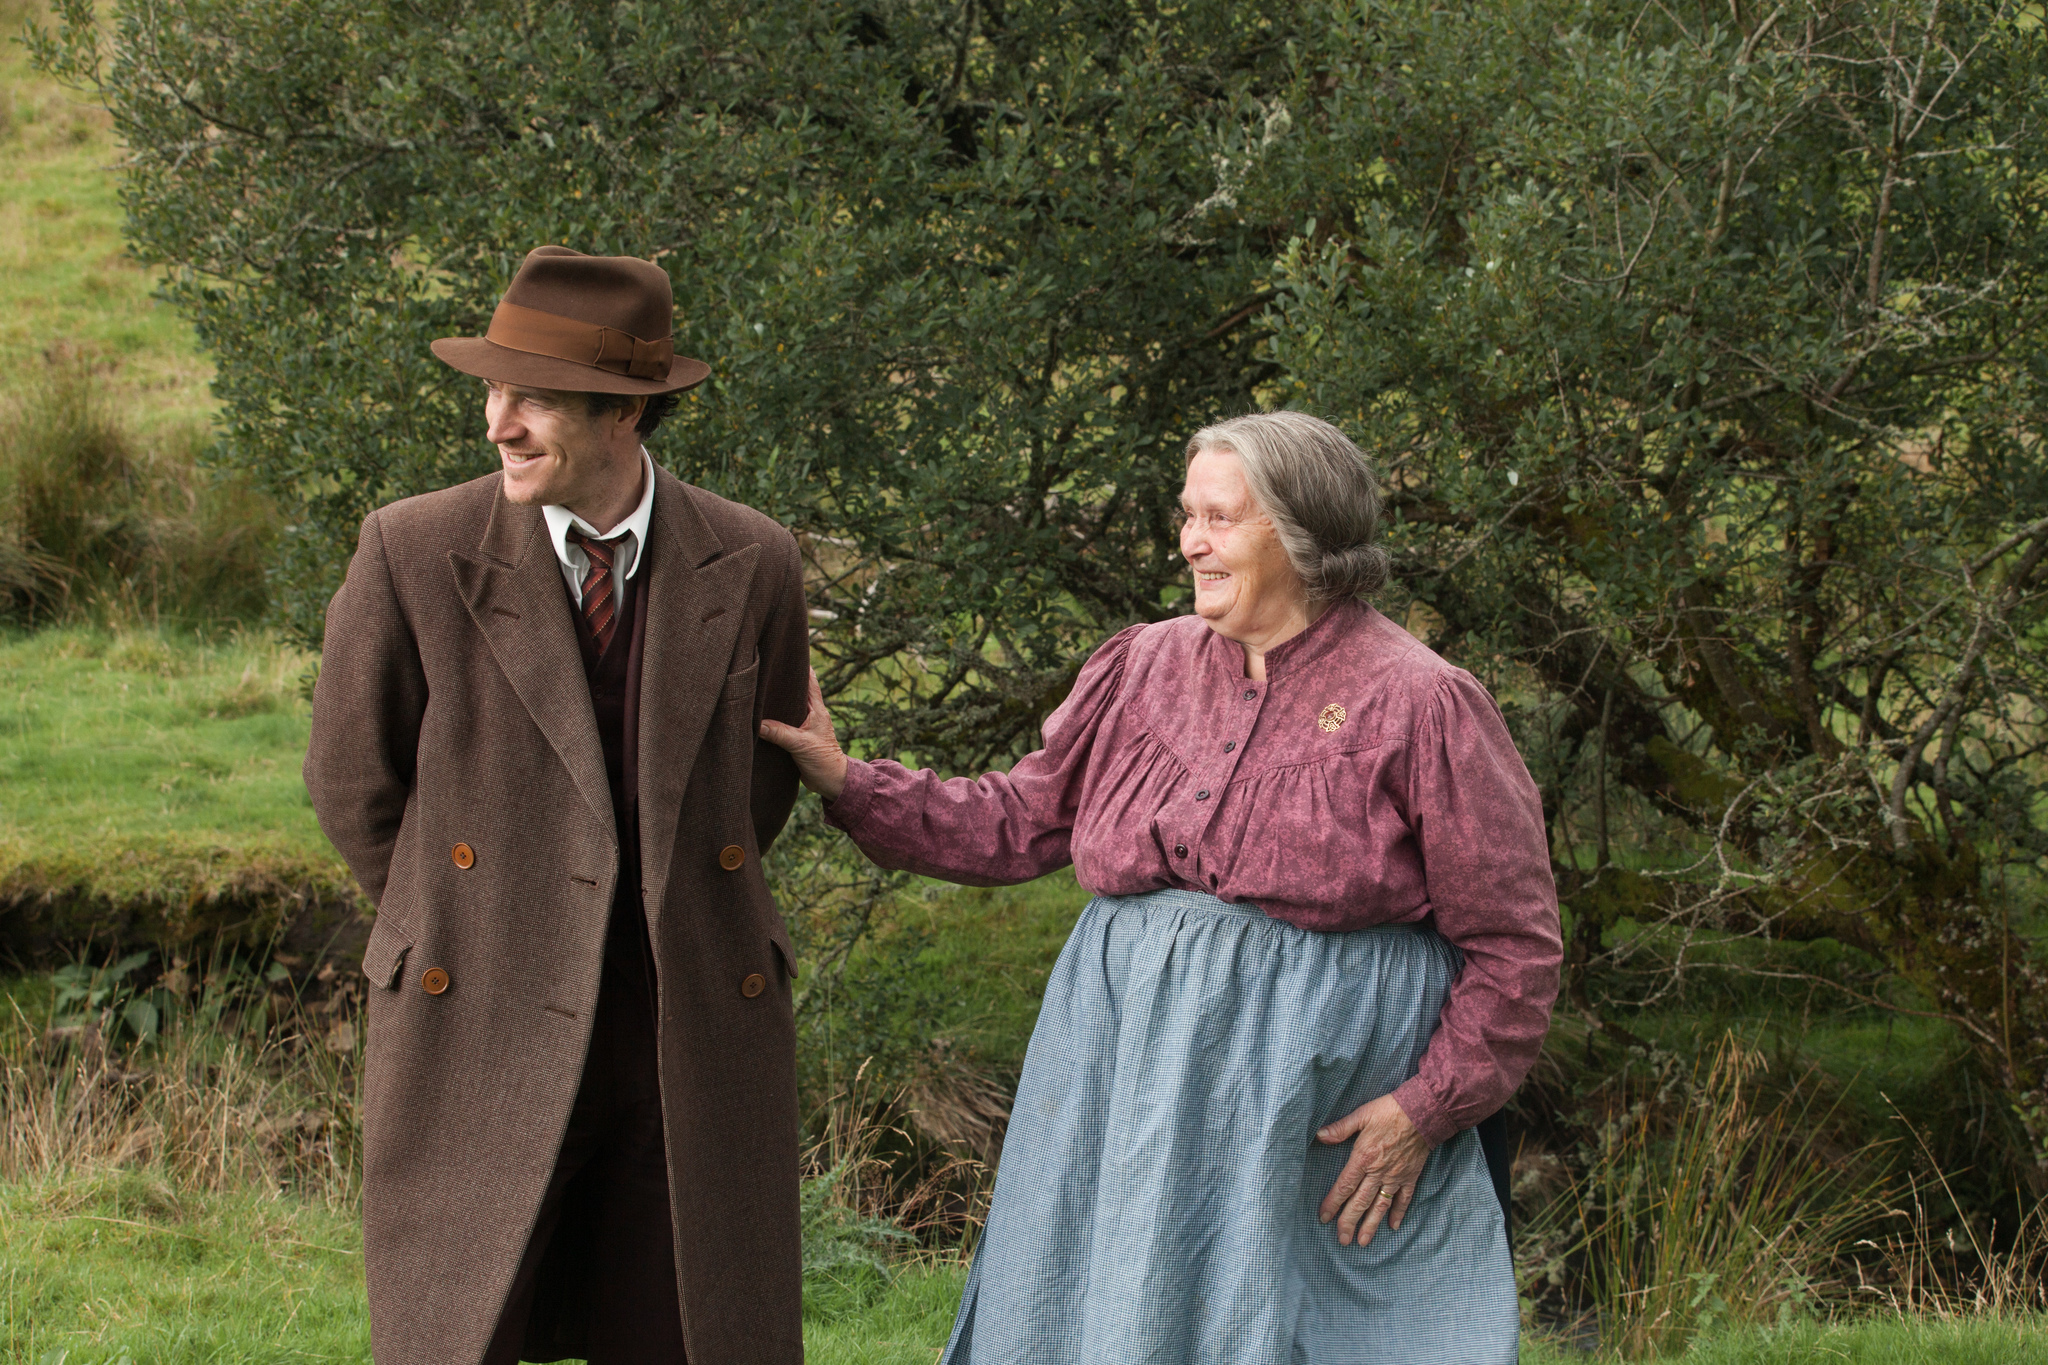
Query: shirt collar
[560,519]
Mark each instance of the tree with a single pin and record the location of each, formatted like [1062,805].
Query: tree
[1704,346]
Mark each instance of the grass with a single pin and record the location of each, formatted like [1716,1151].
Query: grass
[67,283]
[909,1326]
[155,773]
[1709,1198]
[992,950]
[129,1268]
[905,1326]
[1881,1341]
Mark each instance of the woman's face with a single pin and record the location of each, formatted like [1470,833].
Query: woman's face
[1245,588]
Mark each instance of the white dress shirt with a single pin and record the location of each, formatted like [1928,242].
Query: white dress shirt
[630,534]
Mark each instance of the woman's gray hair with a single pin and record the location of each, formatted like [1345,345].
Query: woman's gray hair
[1319,490]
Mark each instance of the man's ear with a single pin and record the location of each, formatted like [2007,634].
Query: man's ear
[629,418]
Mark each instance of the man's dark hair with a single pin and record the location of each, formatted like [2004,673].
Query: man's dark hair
[659,405]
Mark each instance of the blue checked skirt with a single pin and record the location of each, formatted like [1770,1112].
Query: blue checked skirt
[1157,1196]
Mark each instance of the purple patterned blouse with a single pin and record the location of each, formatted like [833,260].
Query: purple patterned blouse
[1365,782]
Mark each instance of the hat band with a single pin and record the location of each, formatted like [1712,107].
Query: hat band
[585,343]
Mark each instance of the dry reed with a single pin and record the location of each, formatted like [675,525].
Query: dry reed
[1920,1271]
[1707,1202]
[239,1082]
[881,1165]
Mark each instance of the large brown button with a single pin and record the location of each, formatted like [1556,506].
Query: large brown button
[753,985]
[433,981]
[731,858]
[464,855]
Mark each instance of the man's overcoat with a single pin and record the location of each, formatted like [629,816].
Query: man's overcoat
[455,762]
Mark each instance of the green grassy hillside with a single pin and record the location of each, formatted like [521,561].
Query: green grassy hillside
[67,284]
[148,779]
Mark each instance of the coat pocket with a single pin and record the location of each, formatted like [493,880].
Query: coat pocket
[384,955]
[779,936]
[740,686]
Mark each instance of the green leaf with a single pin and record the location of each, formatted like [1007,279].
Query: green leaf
[141,1018]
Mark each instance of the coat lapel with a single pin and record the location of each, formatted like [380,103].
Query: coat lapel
[696,598]
[513,589]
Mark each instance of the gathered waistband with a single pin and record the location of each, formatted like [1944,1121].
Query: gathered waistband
[1180,898]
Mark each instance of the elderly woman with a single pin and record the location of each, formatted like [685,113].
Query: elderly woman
[1323,915]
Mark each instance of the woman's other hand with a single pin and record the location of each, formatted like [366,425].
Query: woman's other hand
[820,762]
[1379,1180]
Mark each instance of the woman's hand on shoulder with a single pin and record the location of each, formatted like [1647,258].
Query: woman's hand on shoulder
[820,762]
[1378,1182]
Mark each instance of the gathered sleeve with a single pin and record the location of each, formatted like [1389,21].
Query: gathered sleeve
[1478,822]
[996,829]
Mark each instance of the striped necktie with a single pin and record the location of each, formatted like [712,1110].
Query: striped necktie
[600,595]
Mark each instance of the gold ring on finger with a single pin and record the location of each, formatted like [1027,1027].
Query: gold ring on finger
[1386,1194]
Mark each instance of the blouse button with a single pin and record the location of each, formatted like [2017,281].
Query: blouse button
[1251,694]
[1202,795]
[1228,745]
[1180,850]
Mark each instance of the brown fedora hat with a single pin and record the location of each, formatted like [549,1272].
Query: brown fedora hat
[589,324]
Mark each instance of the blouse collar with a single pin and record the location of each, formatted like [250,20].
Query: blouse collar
[1340,621]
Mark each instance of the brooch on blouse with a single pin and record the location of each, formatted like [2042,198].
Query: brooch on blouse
[1332,717]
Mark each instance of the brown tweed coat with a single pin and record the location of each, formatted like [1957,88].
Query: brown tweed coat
[455,763]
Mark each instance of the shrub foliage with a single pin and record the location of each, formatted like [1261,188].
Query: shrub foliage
[1706,359]
[1701,345]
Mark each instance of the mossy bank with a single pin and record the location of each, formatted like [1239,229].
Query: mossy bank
[150,797]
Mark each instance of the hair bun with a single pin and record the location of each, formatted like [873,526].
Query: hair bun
[1356,571]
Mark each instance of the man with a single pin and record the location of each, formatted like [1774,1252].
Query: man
[534,740]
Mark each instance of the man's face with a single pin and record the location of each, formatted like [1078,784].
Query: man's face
[554,450]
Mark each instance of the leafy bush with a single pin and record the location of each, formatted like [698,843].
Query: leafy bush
[1701,347]
[1704,351]
[966,278]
